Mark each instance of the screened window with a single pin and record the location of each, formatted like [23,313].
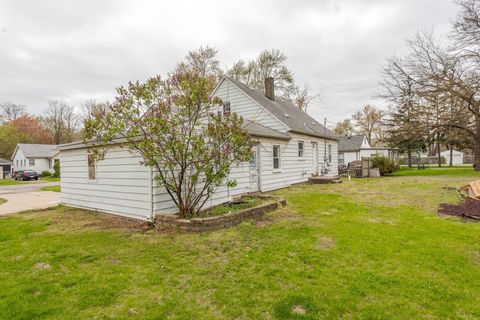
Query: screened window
[276,157]
[91,167]
[340,158]
[330,153]
[226,108]
[31,162]
[300,149]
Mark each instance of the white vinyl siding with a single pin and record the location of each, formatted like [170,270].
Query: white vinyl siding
[122,185]
[293,169]
[246,107]
[163,203]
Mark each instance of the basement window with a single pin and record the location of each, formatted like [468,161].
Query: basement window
[276,157]
[91,167]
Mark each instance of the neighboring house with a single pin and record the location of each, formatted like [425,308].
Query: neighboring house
[5,168]
[37,157]
[457,156]
[291,147]
[353,148]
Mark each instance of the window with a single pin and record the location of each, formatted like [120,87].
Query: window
[276,157]
[17,163]
[91,167]
[253,160]
[340,158]
[226,108]
[300,149]
[31,162]
[330,153]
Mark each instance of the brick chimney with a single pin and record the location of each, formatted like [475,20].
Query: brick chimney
[269,88]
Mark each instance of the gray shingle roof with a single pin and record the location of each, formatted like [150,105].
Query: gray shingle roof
[351,143]
[5,161]
[38,150]
[287,112]
[258,130]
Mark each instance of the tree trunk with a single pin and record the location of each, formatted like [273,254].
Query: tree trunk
[439,156]
[409,153]
[477,143]
[451,156]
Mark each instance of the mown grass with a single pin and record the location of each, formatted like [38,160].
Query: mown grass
[437,171]
[50,179]
[51,188]
[9,182]
[2,201]
[370,248]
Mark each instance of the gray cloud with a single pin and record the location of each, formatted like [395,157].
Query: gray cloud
[80,50]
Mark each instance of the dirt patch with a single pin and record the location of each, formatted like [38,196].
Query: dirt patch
[269,219]
[469,209]
[298,309]
[43,266]
[325,243]
[476,258]
[102,221]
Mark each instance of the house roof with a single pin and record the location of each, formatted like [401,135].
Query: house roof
[37,150]
[255,129]
[259,130]
[5,161]
[285,111]
[350,143]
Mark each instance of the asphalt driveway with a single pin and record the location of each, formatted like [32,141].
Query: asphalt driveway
[27,197]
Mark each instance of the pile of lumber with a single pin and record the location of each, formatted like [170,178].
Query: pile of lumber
[472,190]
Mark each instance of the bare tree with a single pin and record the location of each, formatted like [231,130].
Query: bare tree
[61,121]
[368,121]
[270,63]
[10,111]
[303,97]
[344,128]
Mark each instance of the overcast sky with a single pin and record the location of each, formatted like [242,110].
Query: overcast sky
[81,50]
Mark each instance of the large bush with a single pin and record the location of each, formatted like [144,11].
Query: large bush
[385,165]
[46,173]
[56,167]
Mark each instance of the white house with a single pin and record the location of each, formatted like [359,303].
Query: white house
[353,148]
[37,157]
[291,147]
[457,157]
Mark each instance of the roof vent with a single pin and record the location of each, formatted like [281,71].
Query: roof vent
[286,115]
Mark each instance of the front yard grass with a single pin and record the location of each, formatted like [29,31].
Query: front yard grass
[9,182]
[367,248]
[51,188]
[50,179]
[2,201]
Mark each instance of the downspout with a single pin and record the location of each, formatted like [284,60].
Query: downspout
[152,218]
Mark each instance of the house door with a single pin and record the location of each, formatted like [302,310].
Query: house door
[254,182]
[315,158]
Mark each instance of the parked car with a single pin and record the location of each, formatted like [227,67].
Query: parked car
[26,175]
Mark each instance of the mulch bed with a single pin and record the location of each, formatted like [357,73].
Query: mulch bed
[469,208]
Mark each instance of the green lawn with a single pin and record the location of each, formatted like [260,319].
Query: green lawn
[364,249]
[50,179]
[2,201]
[51,188]
[9,182]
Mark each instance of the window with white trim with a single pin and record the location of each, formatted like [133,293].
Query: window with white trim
[276,157]
[92,174]
[31,162]
[300,149]
[329,153]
